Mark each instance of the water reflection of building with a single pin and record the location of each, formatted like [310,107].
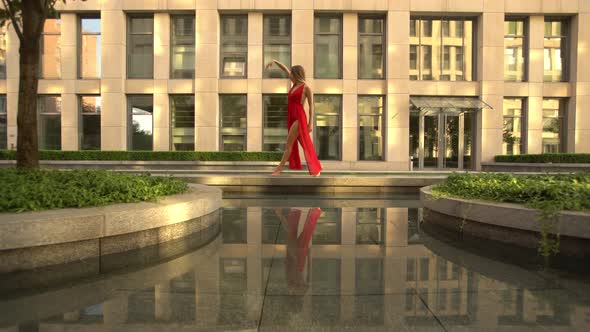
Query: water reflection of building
[366,252]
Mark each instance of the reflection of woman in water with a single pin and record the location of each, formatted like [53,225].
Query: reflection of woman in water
[297,245]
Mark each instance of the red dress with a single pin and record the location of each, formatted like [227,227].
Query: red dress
[296,112]
[300,243]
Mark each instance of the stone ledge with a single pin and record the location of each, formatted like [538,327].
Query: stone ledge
[32,229]
[505,215]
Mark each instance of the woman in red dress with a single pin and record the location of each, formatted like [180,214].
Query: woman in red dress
[297,123]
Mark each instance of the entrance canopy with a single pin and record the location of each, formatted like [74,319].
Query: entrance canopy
[448,104]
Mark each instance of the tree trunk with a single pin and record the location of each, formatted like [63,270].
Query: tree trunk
[27,147]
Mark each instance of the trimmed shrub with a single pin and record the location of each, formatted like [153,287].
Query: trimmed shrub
[544,192]
[50,189]
[556,158]
[151,155]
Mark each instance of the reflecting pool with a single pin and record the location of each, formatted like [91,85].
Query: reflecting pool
[304,263]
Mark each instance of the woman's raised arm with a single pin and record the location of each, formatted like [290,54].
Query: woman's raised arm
[282,66]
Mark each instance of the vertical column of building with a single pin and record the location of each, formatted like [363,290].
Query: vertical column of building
[255,67]
[12,84]
[206,76]
[115,310]
[302,37]
[397,113]
[161,75]
[69,73]
[113,63]
[254,269]
[581,136]
[347,263]
[162,301]
[350,87]
[534,112]
[491,82]
[207,297]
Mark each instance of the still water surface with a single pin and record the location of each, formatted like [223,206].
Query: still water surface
[303,263]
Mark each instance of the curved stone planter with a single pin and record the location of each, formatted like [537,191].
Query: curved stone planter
[504,222]
[35,239]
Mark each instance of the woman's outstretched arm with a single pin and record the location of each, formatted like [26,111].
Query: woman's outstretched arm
[282,66]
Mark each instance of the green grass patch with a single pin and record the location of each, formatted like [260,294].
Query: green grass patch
[556,158]
[38,190]
[548,193]
[151,155]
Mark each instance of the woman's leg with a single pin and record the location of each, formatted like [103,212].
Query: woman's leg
[291,139]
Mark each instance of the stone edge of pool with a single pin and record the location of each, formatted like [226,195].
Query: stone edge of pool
[36,239]
[505,222]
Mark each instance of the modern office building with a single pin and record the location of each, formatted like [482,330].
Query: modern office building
[427,83]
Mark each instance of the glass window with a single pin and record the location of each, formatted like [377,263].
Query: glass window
[275,122]
[182,58]
[49,122]
[90,109]
[140,122]
[514,50]
[328,132]
[3,123]
[413,62]
[234,45]
[556,50]
[413,28]
[2,53]
[424,269]
[370,226]
[182,109]
[50,62]
[371,47]
[233,122]
[410,269]
[554,125]
[328,47]
[90,47]
[371,128]
[140,47]
[328,227]
[277,43]
[441,50]
[234,225]
[513,130]
[415,137]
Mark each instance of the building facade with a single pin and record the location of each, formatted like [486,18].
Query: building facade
[397,84]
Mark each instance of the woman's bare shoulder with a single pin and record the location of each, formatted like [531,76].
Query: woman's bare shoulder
[306,88]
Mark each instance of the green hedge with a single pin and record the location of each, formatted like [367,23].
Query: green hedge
[151,155]
[566,158]
[49,189]
[545,192]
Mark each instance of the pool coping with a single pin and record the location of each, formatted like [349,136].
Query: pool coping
[506,215]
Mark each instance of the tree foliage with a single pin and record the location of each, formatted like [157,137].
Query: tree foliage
[13,9]
[27,19]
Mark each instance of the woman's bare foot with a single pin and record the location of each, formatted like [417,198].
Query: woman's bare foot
[277,171]
[316,175]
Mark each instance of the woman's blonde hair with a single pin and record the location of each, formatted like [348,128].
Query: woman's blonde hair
[298,73]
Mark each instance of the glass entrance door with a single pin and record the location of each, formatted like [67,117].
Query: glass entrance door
[443,140]
[450,155]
